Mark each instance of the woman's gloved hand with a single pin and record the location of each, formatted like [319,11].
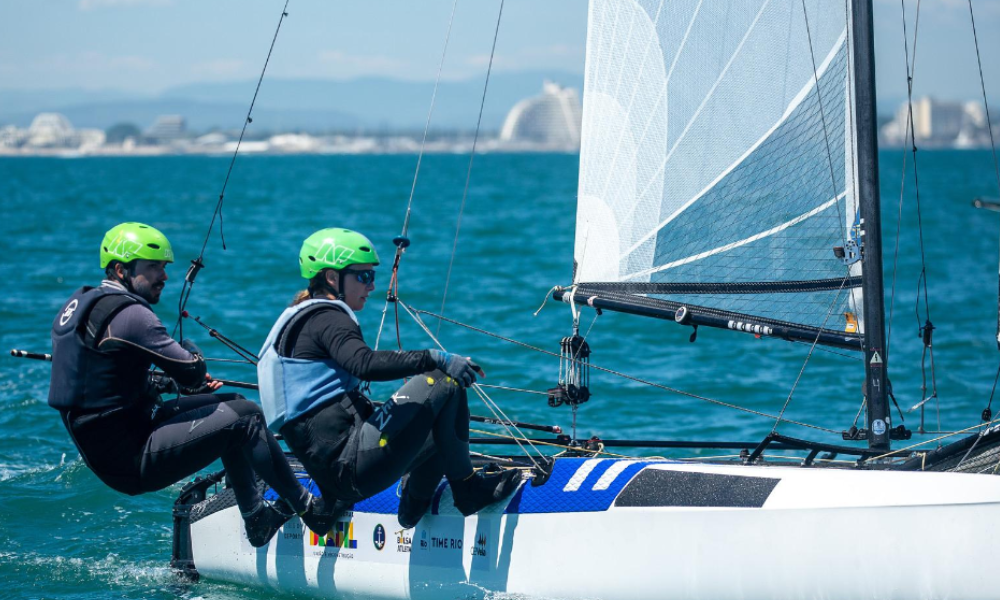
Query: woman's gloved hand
[460,368]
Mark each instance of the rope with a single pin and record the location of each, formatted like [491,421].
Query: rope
[393,287]
[468,174]
[513,389]
[930,441]
[507,422]
[197,264]
[620,374]
[552,444]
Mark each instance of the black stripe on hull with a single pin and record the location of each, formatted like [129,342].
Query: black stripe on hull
[657,487]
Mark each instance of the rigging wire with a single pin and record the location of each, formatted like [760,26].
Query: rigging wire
[930,441]
[822,115]
[805,363]
[989,127]
[620,374]
[472,156]
[925,330]
[198,264]
[507,422]
[514,389]
[393,287]
[840,217]
[985,418]
[911,68]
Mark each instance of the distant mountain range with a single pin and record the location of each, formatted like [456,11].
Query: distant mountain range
[370,104]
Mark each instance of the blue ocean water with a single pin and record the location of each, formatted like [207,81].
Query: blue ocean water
[64,535]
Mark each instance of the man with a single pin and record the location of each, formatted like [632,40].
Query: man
[103,342]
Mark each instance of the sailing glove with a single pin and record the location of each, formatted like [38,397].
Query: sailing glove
[459,368]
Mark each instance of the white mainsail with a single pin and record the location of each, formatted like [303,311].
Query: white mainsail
[718,147]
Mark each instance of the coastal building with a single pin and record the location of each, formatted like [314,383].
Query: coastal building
[12,137]
[50,131]
[939,124]
[167,128]
[550,121]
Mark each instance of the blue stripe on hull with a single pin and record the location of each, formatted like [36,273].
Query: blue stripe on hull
[557,495]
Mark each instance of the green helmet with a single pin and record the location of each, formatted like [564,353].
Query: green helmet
[134,241]
[335,248]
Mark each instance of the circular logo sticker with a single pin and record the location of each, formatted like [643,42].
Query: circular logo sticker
[378,537]
[878,427]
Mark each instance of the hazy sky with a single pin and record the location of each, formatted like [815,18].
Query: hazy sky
[149,45]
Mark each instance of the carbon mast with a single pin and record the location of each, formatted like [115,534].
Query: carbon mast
[869,205]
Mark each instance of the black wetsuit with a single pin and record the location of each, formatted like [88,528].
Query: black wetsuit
[138,445]
[353,451]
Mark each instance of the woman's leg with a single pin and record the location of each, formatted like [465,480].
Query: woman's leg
[427,419]
[192,432]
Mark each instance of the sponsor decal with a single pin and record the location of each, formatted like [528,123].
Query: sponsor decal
[378,537]
[333,253]
[423,540]
[445,543]
[403,541]
[878,427]
[342,536]
[383,414]
[123,247]
[68,313]
[479,548]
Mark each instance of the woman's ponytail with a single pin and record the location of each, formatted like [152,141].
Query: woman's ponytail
[317,285]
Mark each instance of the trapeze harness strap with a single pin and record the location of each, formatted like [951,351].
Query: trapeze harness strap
[84,377]
[290,387]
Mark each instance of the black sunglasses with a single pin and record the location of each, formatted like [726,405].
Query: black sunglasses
[365,277]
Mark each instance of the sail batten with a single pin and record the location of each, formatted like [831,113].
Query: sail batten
[721,153]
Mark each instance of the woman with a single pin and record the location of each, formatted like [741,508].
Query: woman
[310,370]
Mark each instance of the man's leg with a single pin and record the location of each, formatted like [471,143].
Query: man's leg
[195,431]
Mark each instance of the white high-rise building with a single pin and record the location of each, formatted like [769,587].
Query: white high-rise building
[551,121]
[939,124]
[167,128]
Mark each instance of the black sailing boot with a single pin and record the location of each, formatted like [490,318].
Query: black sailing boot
[319,516]
[479,490]
[262,524]
[411,508]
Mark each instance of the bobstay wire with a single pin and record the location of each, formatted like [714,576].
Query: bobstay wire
[198,264]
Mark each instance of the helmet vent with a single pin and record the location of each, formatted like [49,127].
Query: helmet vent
[154,246]
[312,258]
[365,249]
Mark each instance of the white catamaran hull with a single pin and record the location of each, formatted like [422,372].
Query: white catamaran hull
[611,528]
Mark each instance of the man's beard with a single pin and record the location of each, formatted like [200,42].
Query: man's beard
[147,291]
